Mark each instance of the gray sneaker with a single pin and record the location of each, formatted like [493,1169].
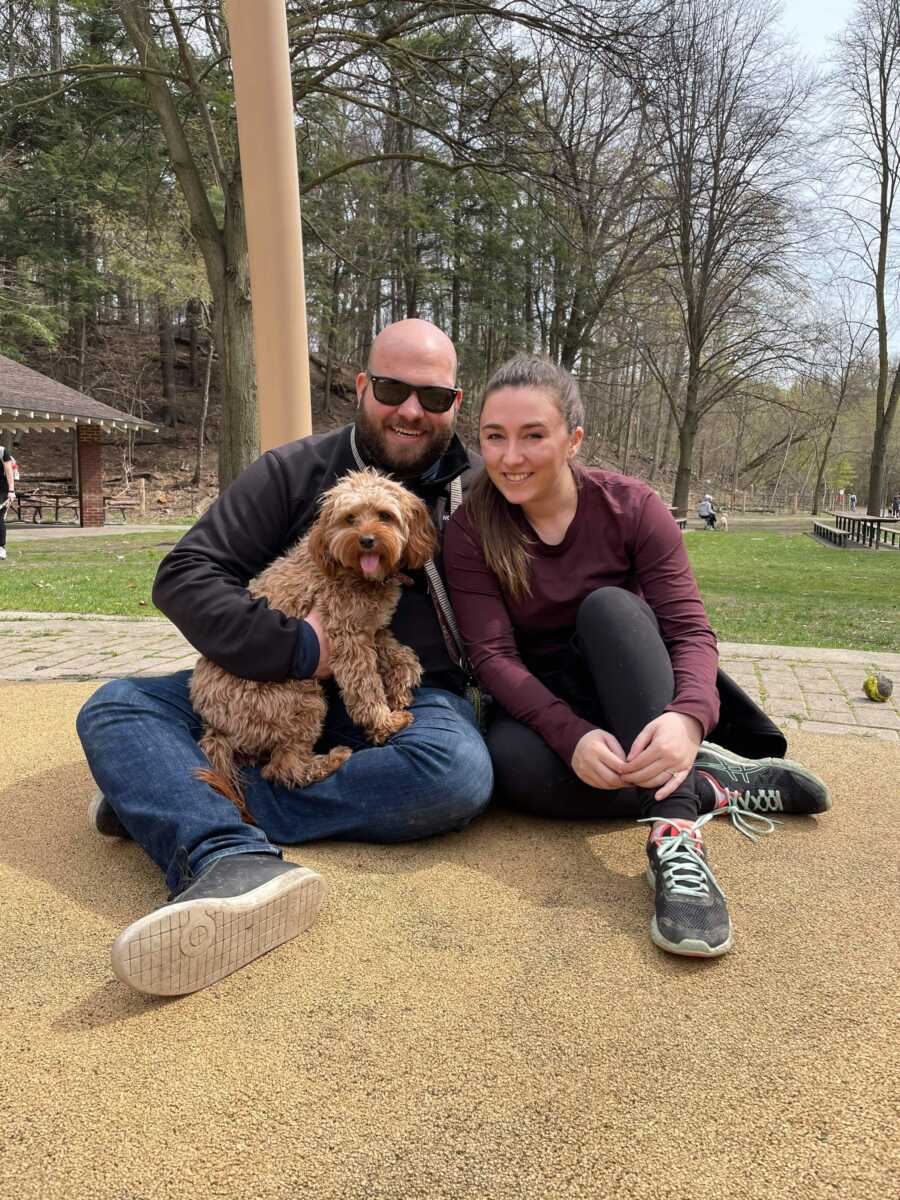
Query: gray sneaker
[691,917]
[103,820]
[764,785]
[239,908]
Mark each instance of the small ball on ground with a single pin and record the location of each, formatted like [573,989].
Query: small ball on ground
[878,687]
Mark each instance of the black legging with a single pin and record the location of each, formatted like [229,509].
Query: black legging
[3,499]
[619,654]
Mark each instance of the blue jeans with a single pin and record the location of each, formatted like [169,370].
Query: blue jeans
[140,739]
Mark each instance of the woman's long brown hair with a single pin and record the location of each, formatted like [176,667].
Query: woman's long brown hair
[504,542]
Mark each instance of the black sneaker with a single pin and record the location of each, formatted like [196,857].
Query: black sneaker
[691,917]
[764,785]
[238,909]
[103,820]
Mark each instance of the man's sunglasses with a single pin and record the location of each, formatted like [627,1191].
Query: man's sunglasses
[394,391]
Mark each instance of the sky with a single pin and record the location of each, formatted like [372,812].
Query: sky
[812,22]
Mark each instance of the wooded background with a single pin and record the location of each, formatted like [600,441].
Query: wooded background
[661,196]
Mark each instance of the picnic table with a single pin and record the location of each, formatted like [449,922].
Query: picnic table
[40,501]
[867,530]
[681,522]
[36,501]
[120,505]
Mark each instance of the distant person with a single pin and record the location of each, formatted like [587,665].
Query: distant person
[7,494]
[575,597]
[707,511]
[895,506]
[853,501]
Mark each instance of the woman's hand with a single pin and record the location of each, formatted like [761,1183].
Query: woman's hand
[663,753]
[599,760]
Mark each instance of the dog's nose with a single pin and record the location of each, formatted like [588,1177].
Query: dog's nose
[366,541]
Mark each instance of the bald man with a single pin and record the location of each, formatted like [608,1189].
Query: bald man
[232,897]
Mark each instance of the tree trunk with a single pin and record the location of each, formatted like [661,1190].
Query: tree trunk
[687,433]
[80,353]
[820,476]
[667,439]
[193,315]
[125,305]
[56,56]
[239,442]
[630,400]
[884,423]
[742,419]
[787,451]
[166,360]
[204,410]
[331,338]
[662,410]
[528,300]
[681,496]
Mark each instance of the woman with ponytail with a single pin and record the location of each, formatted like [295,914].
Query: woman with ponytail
[581,616]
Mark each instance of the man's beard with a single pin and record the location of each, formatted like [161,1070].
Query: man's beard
[421,455]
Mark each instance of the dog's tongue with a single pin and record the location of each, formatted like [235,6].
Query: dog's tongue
[369,563]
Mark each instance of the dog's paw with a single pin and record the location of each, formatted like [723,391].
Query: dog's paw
[294,771]
[337,757]
[402,699]
[392,724]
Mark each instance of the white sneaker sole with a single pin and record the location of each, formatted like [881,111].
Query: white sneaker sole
[783,763]
[185,947]
[689,947]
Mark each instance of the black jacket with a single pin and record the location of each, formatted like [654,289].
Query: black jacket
[201,585]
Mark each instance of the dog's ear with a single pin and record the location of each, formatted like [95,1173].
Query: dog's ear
[318,544]
[421,540]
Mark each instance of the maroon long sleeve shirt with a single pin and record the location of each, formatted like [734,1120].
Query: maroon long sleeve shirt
[622,535]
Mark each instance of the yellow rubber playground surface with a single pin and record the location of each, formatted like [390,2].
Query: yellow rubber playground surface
[478,1016]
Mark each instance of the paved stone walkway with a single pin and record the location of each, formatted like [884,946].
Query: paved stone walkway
[818,691]
[26,531]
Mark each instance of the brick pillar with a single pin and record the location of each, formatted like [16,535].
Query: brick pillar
[90,474]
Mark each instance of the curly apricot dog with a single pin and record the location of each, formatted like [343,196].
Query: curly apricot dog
[348,567]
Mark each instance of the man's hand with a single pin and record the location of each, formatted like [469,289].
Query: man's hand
[599,760]
[323,670]
[663,753]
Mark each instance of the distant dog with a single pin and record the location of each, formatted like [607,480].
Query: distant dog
[347,566]
[722,520]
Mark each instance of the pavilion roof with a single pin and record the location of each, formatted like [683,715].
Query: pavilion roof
[32,401]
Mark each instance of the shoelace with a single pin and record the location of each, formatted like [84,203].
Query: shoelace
[742,818]
[762,800]
[743,807]
[685,872]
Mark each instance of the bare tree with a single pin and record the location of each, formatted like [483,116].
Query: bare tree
[591,126]
[726,102]
[866,132]
[836,379]
[223,243]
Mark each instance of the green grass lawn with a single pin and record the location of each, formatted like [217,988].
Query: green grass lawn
[788,590]
[759,587]
[111,575]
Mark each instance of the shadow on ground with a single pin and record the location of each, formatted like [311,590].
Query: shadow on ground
[480,1015]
